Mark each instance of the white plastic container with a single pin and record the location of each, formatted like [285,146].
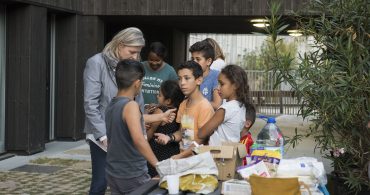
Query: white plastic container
[173,184]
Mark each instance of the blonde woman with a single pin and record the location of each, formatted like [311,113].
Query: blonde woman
[99,88]
[219,61]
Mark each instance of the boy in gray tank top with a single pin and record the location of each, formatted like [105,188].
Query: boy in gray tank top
[128,150]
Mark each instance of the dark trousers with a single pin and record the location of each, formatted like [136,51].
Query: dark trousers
[119,186]
[98,161]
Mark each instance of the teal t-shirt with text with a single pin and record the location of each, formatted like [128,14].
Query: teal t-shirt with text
[153,80]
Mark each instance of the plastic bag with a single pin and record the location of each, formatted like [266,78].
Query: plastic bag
[303,166]
[203,184]
[197,173]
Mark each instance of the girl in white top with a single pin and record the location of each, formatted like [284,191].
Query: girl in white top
[219,62]
[229,118]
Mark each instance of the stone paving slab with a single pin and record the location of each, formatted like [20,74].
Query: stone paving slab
[74,178]
[37,168]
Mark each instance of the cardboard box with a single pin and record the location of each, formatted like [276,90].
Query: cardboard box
[236,187]
[227,158]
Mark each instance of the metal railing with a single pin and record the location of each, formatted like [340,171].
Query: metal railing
[269,100]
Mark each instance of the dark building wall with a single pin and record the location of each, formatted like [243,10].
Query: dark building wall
[77,38]
[91,40]
[62,5]
[184,7]
[25,79]
[166,7]
[66,74]
[178,47]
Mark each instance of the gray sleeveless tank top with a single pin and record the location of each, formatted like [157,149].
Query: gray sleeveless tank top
[123,159]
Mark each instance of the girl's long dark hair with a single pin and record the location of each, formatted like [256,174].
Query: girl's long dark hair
[171,90]
[238,76]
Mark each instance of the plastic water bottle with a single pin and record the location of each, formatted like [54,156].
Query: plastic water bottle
[270,137]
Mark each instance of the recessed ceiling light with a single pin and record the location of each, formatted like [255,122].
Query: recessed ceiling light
[261,25]
[295,33]
[260,22]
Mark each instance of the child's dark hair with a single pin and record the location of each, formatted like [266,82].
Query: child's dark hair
[237,75]
[127,72]
[193,66]
[205,48]
[250,113]
[171,90]
[159,49]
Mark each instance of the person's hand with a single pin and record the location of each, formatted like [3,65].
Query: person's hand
[169,116]
[149,108]
[147,126]
[217,90]
[368,125]
[177,156]
[156,177]
[161,138]
[104,142]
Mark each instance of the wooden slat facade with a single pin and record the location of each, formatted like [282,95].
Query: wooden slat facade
[72,6]
[184,7]
[25,83]
[166,7]
[82,29]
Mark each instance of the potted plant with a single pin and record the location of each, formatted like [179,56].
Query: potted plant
[332,83]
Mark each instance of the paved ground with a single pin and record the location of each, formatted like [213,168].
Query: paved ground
[64,167]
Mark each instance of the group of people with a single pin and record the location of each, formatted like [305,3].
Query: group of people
[202,102]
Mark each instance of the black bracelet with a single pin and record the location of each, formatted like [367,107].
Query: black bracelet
[172,138]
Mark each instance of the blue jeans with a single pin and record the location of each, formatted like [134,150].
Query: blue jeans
[98,161]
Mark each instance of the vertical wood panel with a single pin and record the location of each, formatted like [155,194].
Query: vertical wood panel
[218,7]
[88,5]
[77,39]
[178,47]
[90,41]
[38,96]
[234,8]
[144,5]
[265,10]
[226,7]
[171,7]
[199,7]
[66,74]
[26,81]
[101,7]
[66,5]
[154,7]
[187,7]
[249,7]
[163,8]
